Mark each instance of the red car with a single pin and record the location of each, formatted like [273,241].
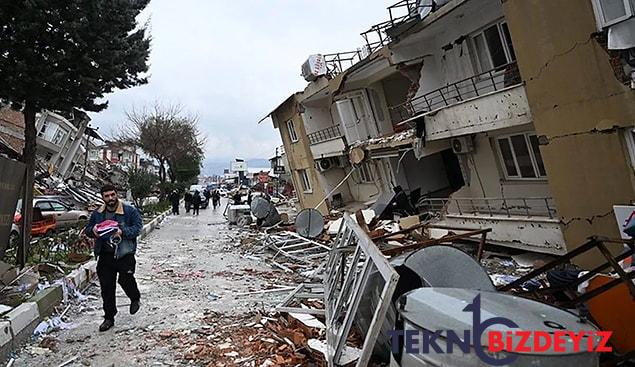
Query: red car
[42,225]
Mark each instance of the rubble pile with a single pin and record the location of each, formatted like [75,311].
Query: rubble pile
[251,339]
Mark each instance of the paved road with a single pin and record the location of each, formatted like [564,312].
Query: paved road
[187,267]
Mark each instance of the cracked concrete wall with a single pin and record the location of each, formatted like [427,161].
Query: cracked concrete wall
[573,96]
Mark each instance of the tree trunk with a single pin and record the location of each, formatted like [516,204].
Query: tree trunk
[28,157]
[172,170]
[161,170]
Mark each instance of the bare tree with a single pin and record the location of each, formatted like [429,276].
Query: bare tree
[167,134]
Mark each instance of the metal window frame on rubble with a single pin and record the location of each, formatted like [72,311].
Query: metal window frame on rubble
[346,277]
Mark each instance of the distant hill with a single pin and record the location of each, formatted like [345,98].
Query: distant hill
[216,166]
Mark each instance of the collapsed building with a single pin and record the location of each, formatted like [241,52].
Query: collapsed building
[459,106]
[69,161]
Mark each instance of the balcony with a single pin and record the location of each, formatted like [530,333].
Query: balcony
[327,142]
[487,101]
[528,223]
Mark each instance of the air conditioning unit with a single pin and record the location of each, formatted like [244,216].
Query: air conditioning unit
[326,164]
[462,145]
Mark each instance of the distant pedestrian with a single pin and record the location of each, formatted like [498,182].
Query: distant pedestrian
[215,199]
[196,202]
[188,201]
[175,198]
[115,227]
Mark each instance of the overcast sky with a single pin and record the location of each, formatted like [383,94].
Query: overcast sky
[232,62]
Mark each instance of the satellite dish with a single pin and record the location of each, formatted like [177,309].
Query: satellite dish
[431,263]
[357,155]
[309,223]
[260,207]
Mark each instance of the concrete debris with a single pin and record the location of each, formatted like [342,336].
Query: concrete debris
[246,340]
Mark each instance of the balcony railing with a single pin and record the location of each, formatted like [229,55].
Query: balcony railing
[509,207]
[403,11]
[480,84]
[338,62]
[329,133]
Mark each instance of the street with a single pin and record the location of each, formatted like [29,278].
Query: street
[186,270]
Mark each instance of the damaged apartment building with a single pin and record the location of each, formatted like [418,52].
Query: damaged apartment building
[485,114]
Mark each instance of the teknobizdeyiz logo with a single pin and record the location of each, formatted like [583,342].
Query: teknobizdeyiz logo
[498,340]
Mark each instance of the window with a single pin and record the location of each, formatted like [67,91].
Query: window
[493,47]
[45,206]
[365,173]
[520,156]
[292,133]
[58,207]
[59,136]
[43,128]
[306,182]
[609,12]
[629,134]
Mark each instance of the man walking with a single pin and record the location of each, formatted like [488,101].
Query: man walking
[174,199]
[196,202]
[188,201]
[115,226]
[215,199]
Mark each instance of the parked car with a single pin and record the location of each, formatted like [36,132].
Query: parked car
[64,213]
[14,235]
[43,225]
[204,200]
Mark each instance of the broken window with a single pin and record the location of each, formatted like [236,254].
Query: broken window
[306,182]
[43,128]
[520,156]
[492,47]
[292,134]
[59,136]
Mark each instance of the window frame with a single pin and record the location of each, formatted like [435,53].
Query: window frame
[629,8]
[629,136]
[476,60]
[60,136]
[293,134]
[305,181]
[532,156]
[365,173]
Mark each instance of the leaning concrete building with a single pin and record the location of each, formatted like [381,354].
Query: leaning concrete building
[487,114]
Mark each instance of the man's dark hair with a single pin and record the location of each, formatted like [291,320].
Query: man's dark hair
[107,187]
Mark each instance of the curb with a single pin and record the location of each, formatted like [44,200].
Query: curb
[148,228]
[18,325]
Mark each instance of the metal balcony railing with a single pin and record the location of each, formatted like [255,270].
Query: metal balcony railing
[486,82]
[400,12]
[329,133]
[404,10]
[529,207]
[338,62]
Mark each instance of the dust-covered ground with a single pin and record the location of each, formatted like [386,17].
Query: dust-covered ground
[188,269]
